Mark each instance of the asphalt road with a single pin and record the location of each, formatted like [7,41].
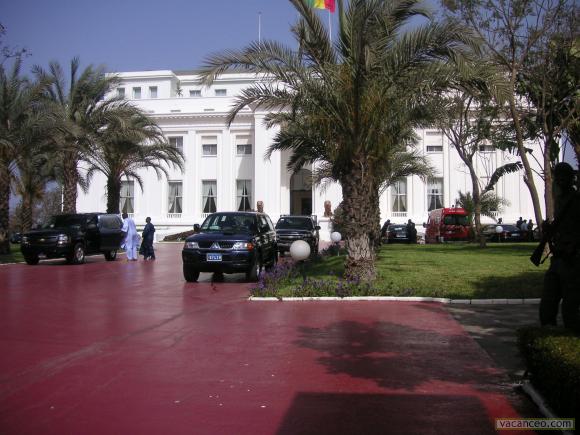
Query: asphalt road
[129,347]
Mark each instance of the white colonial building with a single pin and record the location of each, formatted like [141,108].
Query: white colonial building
[225,168]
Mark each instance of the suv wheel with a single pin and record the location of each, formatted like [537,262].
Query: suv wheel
[189,274]
[111,255]
[254,272]
[31,259]
[78,254]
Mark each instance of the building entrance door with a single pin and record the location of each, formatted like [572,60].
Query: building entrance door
[301,192]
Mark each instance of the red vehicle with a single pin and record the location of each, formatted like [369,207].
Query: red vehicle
[447,224]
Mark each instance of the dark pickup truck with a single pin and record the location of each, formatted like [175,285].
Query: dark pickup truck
[72,236]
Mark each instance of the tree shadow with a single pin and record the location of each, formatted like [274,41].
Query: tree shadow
[328,413]
[398,356]
[524,285]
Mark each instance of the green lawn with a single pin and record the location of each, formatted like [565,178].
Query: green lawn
[455,271]
[15,255]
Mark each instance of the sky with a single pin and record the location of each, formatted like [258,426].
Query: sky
[135,35]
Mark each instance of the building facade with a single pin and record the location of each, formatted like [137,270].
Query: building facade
[226,168]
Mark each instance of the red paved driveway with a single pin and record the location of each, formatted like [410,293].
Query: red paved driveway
[130,348]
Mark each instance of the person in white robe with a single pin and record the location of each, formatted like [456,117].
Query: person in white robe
[132,239]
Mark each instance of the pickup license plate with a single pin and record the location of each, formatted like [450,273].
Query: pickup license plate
[400,236]
[214,257]
[41,255]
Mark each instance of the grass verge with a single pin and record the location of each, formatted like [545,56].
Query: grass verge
[15,255]
[457,271]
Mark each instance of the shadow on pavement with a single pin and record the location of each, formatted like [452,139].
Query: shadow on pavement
[328,413]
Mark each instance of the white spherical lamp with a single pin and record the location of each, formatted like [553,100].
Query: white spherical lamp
[336,237]
[499,229]
[300,250]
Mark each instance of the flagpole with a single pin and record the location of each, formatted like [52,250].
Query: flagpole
[329,26]
[260,28]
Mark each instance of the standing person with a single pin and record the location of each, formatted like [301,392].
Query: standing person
[562,280]
[131,237]
[524,229]
[385,228]
[411,231]
[500,221]
[530,230]
[147,243]
[519,223]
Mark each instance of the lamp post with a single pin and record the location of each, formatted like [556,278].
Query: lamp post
[498,231]
[300,251]
[336,237]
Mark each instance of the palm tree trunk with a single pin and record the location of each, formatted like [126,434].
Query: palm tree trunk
[113,195]
[26,214]
[359,211]
[4,209]
[375,232]
[70,182]
[476,194]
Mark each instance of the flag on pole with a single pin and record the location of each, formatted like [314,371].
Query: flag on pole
[322,4]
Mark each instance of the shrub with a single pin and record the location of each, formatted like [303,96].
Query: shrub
[552,356]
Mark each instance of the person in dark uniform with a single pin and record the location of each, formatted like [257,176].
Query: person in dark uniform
[147,244]
[562,280]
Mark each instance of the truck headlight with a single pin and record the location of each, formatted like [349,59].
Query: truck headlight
[62,239]
[243,246]
[191,245]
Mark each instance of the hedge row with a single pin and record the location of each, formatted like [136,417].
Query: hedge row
[552,358]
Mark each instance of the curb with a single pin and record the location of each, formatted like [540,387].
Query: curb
[401,299]
[539,401]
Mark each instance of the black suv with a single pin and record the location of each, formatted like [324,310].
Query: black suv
[73,236]
[292,228]
[231,242]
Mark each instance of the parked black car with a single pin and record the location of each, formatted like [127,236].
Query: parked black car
[292,228]
[73,236]
[231,242]
[510,233]
[16,238]
[397,233]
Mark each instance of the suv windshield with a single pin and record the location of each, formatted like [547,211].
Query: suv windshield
[222,222]
[64,221]
[455,219]
[294,223]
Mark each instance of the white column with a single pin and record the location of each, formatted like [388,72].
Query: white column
[266,172]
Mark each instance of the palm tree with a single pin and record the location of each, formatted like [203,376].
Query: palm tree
[73,109]
[347,94]
[34,165]
[17,100]
[126,141]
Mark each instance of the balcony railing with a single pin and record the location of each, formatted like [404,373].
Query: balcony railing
[173,215]
[204,215]
[399,214]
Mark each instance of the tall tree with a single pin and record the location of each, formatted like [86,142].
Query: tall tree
[345,91]
[73,105]
[17,98]
[510,31]
[549,82]
[125,141]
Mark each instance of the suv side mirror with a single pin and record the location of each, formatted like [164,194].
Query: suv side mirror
[317,227]
[196,228]
[424,225]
